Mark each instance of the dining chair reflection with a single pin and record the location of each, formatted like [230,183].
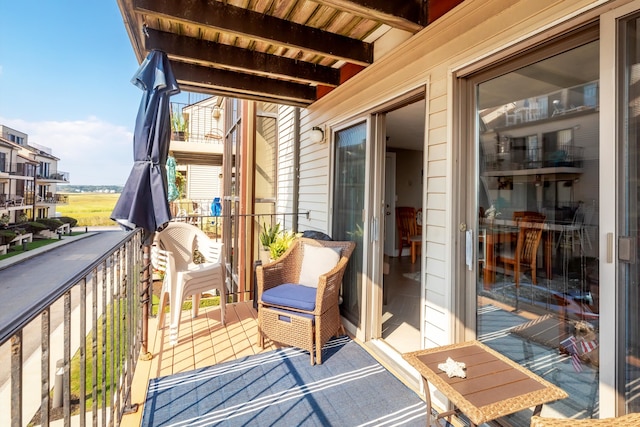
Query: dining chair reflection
[525,254]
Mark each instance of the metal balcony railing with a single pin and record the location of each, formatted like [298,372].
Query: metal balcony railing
[55,176]
[53,198]
[197,123]
[102,330]
[100,343]
[20,169]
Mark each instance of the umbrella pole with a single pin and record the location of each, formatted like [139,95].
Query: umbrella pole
[146,280]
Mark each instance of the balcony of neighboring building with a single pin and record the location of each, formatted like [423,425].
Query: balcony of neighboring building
[13,169]
[51,199]
[13,202]
[4,169]
[54,176]
[197,133]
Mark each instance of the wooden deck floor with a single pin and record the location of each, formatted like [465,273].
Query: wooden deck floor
[202,341]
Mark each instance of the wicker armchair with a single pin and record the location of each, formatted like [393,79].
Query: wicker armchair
[629,420]
[297,307]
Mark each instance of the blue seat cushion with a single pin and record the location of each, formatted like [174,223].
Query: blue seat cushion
[291,295]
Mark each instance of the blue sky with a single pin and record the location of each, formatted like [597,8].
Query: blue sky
[65,80]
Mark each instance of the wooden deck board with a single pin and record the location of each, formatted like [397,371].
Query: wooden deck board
[202,341]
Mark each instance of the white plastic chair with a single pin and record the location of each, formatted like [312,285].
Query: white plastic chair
[173,253]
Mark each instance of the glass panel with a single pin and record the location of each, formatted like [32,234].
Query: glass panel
[537,195]
[629,201]
[266,157]
[348,205]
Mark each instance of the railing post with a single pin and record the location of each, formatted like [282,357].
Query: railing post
[16,379]
[45,338]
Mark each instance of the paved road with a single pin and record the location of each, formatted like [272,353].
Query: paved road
[25,282]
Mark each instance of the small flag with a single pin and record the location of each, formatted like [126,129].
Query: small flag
[570,345]
[588,346]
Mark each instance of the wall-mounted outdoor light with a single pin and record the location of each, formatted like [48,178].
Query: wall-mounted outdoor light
[316,135]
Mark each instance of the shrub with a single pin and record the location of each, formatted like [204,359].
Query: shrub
[68,220]
[6,236]
[33,227]
[51,224]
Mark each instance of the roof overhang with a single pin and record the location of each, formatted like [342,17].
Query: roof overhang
[289,52]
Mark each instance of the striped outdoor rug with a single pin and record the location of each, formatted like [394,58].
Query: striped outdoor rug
[281,388]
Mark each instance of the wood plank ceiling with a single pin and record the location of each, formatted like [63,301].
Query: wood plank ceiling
[285,51]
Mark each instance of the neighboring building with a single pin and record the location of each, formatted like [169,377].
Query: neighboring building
[198,152]
[518,107]
[28,178]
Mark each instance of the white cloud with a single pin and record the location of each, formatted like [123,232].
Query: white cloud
[93,151]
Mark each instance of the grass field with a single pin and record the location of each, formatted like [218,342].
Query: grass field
[90,209]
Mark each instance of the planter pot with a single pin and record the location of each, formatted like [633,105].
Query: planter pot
[178,135]
[265,256]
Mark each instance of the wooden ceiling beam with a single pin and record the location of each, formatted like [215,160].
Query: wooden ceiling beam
[410,15]
[224,82]
[246,23]
[221,93]
[189,49]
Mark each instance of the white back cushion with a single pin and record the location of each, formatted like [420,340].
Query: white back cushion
[317,260]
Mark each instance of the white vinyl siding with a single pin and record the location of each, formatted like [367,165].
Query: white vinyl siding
[204,182]
[286,175]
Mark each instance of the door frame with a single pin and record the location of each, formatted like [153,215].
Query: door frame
[612,367]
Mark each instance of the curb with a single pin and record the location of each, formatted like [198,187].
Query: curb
[30,254]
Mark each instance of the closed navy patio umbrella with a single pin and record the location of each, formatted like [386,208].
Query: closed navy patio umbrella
[143,202]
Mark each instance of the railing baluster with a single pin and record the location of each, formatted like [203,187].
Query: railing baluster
[83,352]
[113,333]
[103,283]
[94,349]
[131,348]
[45,336]
[66,378]
[16,379]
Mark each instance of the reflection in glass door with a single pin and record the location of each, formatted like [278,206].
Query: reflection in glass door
[537,197]
[348,207]
[628,204]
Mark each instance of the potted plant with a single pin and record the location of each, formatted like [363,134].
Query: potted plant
[179,125]
[268,236]
[282,243]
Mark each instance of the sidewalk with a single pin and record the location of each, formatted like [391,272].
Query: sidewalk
[90,231]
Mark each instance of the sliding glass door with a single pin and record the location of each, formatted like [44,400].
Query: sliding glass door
[628,228]
[537,198]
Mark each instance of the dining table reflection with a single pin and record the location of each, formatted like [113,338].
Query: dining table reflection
[497,234]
